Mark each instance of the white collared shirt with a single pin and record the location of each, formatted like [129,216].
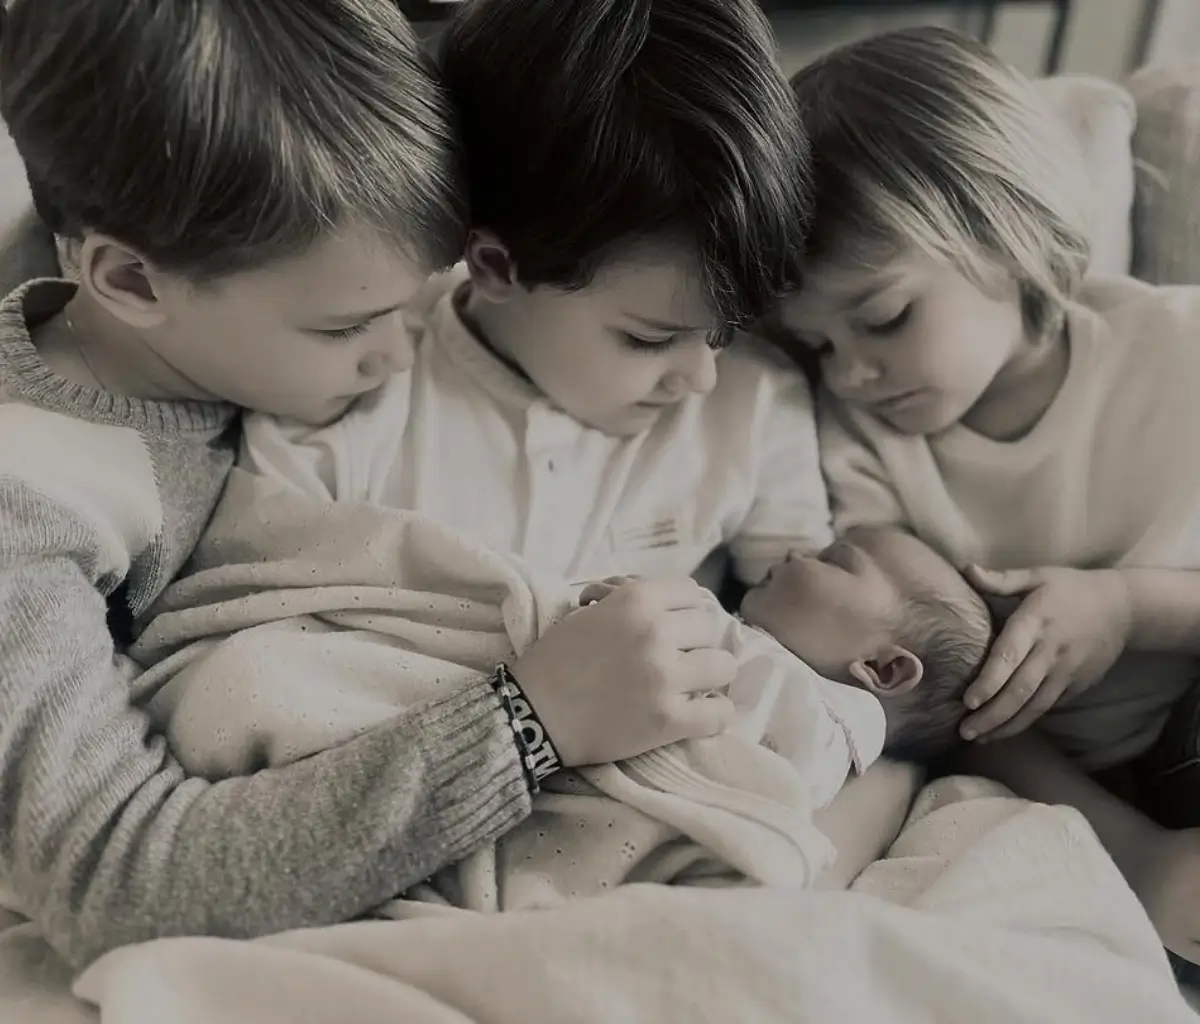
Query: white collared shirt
[465,440]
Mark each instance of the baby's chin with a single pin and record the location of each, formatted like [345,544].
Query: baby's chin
[761,611]
[772,609]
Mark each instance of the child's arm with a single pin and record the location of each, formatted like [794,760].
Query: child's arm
[864,819]
[1161,866]
[1032,768]
[1165,607]
[106,842]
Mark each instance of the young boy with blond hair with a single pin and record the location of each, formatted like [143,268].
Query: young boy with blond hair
[247,193]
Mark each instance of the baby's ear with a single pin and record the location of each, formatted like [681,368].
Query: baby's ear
[493,270]
[893,672]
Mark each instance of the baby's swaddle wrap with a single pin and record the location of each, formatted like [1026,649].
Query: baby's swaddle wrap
[305,623]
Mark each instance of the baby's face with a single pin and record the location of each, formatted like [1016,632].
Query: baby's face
[842,605]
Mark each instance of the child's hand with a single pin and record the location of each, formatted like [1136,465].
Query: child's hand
[631,671]
[594,592]
[1170,891]
[1065,635]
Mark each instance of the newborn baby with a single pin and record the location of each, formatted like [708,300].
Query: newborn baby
[882,611]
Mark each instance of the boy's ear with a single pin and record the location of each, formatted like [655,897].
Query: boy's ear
[893,672]
[493,270]
[121,281]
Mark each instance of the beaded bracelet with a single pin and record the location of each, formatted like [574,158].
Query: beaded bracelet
[538,756]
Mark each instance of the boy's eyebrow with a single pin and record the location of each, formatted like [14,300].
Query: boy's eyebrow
[360,316]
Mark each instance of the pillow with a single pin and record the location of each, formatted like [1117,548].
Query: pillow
[27,250]
[26,244]
[14,188]
[1166,149]
[1101,115]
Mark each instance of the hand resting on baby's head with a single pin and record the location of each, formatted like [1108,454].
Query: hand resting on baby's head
[883,611]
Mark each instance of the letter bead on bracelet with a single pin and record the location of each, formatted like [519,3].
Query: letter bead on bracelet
[539,756]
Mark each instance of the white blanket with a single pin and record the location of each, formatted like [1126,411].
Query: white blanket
[988,910]
[309,622]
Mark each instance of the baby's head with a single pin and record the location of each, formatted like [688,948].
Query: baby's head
[883,611]
[249,188]
[639,187]
[950,226]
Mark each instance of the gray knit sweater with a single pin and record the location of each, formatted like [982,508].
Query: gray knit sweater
[103,838]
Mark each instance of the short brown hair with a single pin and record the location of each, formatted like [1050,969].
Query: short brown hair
[923,136]
[592,124]
[216,135]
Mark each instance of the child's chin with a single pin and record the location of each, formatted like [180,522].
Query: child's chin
[911,425]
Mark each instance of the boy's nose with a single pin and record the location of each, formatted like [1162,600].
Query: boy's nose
[700,369]
[395,357]
[401,353]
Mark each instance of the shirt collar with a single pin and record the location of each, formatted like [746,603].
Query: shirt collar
[464,348]
[861,717]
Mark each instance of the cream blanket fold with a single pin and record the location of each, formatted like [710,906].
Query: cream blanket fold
[305,623]
[989,910]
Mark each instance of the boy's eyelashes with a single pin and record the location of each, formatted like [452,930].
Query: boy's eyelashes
[640,344]
[345,333]
[717,339]
[364,324]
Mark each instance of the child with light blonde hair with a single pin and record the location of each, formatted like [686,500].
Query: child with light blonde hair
[977,391]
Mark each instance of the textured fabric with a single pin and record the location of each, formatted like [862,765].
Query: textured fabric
[989,910]
[1166,149]
[1108,476]
[103,837]
[738,465]
[286,642]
